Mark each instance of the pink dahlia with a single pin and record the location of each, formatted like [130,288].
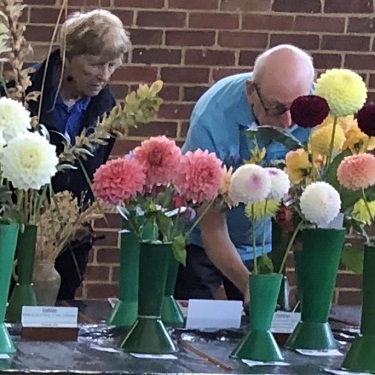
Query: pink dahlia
[198,177]
[160,158]
[357,172]
[119,180]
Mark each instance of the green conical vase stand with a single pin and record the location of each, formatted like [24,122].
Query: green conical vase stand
[8,242]
[259,343]
[148,334]
[171,313]
[318,266]
[361,355]
[23,293]
[126,310]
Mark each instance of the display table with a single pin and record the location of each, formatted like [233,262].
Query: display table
[96,351]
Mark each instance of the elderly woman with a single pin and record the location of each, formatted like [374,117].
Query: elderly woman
[75,96]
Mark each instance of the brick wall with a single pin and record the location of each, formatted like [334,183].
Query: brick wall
[190,44]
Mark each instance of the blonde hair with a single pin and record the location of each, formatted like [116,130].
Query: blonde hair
[98,32]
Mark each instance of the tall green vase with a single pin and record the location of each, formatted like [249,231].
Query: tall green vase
[259,343]
[23,293]
[126,310]
[318,265]
[361,355]
[148,334]
[8,242]
[171,313]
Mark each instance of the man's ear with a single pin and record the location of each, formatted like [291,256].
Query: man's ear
[249,87]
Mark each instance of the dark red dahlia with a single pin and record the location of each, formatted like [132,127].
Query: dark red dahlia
[366,119]
[309,110]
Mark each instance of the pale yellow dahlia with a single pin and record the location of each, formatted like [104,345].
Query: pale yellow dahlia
[361,213]
[344,90]
[29,161]
[14,118]
[321,139]
[357,141]
[261,210]
[298,165]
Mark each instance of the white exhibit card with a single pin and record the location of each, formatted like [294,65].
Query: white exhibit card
[320,353]
[258,363]
[153,356]
[48,316]
[344,372]
[213,314]
[285,322]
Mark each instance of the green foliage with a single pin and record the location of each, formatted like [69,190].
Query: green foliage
[265,264]
[179,249]
[352,258]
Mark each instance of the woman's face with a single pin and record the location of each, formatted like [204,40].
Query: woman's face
[91,73]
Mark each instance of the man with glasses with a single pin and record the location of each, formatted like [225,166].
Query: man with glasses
[220,250]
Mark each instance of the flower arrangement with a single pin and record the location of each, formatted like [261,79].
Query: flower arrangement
[155,185]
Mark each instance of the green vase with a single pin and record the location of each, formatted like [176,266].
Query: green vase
[171,313]
[148,334]
[259,343]
[297,269]
[23,293]
[8,242]
[317,265]
[126,310]
[361,355]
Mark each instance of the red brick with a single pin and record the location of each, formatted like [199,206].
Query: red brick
[266,22]
[318,24]
[45,15]
[308,42]
[361,25]
[122,147]
[189,38]
[247,58]
[246,5]
[89,3]
[301,6]
[184,75]
[146,37]
[372,81]
[135,74]
[126,16]
[148,4]
[221,73]
[41,2]
[349,297]
[184,127]
[161,19]
[97,273]
[101,291]
[175,112]
[242,39]
[348,280]
[39,33]
[156,128]
[115,273]
[192,94]
[209,57]
[357,6]
[359,62]
[193,4]
[370,97]
[327,60]
[113,220]
[156,56]
[213,20]
[346,42]
[119,90]
[108,255]
[170,93]
[110,238]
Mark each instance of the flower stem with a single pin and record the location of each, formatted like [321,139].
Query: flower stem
[253,234]
[209,205]
[367,206]
[330,152]
[289,246]
[264,225]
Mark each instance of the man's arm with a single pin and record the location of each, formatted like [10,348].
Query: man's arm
[221,250]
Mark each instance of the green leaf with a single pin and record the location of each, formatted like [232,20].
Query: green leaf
[165,224]
[352,259]
[179,249]
[265,264]
[274,134]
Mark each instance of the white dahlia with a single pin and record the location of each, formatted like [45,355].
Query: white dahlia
[14,118]
[320,203]
[250,183]
[280,183]
[29,161]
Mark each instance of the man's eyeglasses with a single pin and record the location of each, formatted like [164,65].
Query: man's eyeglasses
[274,111]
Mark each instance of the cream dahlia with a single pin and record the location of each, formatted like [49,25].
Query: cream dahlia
[320,203]
[280,183]
[14,118]
[29,161]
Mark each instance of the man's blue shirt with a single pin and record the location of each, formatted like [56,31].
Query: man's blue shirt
[218,124]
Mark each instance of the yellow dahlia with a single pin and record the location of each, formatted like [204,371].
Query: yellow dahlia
[321,139]
[260,209]
[29,161]
[360,211]
[344,90]
[357,141]
[297,165]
